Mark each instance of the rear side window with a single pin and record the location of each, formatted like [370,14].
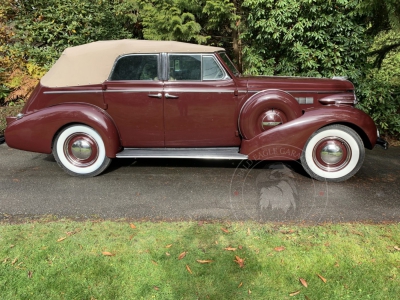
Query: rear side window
[136,67]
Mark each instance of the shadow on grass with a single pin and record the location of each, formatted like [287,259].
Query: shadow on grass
[186,278]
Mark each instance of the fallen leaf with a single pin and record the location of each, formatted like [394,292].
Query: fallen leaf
[15,180]
[154,262]
[168,246]
[239,261]
[225,230]
[240,247]
[279,249]
[230,249]
[29,274]
[182,255]
[248,231]
[200,223]
[156,288]
[14,261]
[240,284]
[5,260]
[303,282]
[12,246]
[206,261]
[322,278]
[336,264]
[105,253]
[249,291]
[358,233]
[131,237]
[216,242]
[61,239]
[187,268]
[396,248]
[132,226]
[294,293]
[287,231]
[167,254]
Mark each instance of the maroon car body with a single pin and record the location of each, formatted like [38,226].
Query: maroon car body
[170,99]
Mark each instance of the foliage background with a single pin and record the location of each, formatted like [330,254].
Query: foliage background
[359,39]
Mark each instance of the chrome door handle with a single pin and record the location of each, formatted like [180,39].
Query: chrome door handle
[169,96]
[159,95]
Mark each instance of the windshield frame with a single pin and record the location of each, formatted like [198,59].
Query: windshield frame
[228,62]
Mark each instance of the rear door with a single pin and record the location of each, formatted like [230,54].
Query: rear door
[134,96]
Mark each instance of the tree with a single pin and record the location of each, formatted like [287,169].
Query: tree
[172,20]
[383,18]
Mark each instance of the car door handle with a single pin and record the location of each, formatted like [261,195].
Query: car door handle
[159,95]
[169,96]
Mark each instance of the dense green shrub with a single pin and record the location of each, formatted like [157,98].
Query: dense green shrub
[304,37]
[44,28]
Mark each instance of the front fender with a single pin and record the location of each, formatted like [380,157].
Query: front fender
[35,131]
[295,133]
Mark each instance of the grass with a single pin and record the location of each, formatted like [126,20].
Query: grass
[111,260]
[6,111]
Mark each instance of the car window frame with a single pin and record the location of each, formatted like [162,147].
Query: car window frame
[159,67]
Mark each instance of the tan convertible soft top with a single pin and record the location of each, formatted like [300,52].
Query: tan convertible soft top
[91,63]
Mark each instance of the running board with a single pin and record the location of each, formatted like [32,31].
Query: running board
[204,153]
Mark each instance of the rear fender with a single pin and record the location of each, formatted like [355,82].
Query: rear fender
[35,131]
[286,141]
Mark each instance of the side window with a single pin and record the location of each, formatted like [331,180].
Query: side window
[136,67]
[211,70]
[184,67]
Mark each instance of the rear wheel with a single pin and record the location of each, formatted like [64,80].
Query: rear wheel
[333,153]
[80,151]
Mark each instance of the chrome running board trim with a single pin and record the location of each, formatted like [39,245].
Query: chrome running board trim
[202,153]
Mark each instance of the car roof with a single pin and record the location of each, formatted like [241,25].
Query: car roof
[92,63]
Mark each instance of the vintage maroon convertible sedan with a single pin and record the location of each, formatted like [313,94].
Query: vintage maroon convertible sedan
[134,98]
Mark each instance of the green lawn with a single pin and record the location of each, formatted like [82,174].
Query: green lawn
[190,260]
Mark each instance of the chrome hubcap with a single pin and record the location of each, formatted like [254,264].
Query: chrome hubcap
[81,149]
[331,154]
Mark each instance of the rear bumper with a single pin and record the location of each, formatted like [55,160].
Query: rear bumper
[383,143]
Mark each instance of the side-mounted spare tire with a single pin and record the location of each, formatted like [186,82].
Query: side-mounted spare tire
[265,110]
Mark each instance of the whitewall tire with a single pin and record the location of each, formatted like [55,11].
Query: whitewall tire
[80,151]
[333,153]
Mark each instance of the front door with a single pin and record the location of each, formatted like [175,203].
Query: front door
[134,98]
[200,103]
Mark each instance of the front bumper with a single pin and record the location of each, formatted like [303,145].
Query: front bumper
[383,143]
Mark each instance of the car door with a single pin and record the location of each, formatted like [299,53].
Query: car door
[200,103]
[134,98]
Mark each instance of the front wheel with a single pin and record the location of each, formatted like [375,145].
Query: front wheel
[80,151]
[333,153]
